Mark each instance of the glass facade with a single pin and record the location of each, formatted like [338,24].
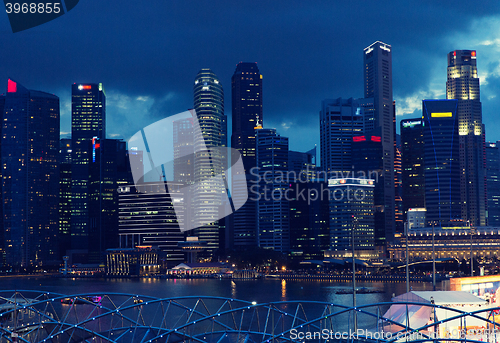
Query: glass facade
[441,160]
[246,96]
[88,120]
[30,176]
[463,85]
[273,207]
[351,214]
[210,161]
[413,169]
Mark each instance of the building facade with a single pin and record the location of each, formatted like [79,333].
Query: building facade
[412,163]
[493,182]
[377,66]
[88,122]
[247,114]
[147,217]
[30,176]
[273,220]
[442,163]
[351,214]
[340,120]
[210,163]
[463,85]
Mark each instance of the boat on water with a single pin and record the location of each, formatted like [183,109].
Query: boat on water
[95,299]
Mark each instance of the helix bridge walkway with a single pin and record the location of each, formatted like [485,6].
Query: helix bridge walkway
[34,316]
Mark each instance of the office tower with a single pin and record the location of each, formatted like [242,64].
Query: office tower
[412,163]
[246,96]
[340,120]
[30,176]
[107,155]
[273,221]
[442,163]
[377,67]
[147,217]
[302,165]
[493,182]
[64,195]
[2,240]
[398,187]
[351,213]
[309,220]
[210,164]
[183,151]
[463,85]
[367,151]
[88,122]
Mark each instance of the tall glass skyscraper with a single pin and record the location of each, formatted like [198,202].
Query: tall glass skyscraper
[88,124]
[463,85]
[493,182]
[413,169]
[340,120]
[441,160]
[377,65]
[30,176]
[273,206]
[210,163]
[246,95]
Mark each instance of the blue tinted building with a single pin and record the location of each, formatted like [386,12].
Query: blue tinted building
[442,161]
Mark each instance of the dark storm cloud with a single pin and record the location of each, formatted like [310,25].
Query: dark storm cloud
[147,54]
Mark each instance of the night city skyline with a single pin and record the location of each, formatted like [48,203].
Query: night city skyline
[147,61]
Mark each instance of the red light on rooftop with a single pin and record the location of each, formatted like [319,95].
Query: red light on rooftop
[376,139]
[454,53]
[11,86]
[358,138]
[473,53]
[98,145]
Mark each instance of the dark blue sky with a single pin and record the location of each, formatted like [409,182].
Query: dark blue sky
[147,54]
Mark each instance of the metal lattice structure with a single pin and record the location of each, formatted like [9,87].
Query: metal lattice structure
[32,316]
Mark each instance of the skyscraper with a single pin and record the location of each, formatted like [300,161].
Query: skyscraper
[367,151]
[273,219]
[377,65]
[340,120]
[493,182]
[246,95]
[88,123]
[351,214]
[30,176]
[441,160]
[463,85]
[413,169]
[209,164]
[65,195]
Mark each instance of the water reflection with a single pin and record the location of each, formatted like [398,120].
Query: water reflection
[283,290]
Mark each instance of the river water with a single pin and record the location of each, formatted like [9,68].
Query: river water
[261,291]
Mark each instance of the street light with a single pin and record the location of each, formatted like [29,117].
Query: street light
[407,259]
[354,224]
[471,254]
[433,260]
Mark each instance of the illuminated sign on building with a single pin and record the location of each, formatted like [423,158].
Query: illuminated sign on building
[11,86]
[411,123]
[441,115]
[95,145]
[81,87]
